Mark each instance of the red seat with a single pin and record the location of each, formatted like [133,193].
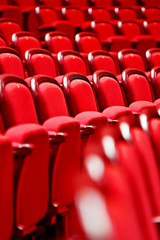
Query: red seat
[108,37]
[154,3]
[72,61]
[131,58]
[155,80]
[137,38]
[10,62]
[138,90]
[24,129]
[153,57]
[58,41]
[87,42]
[8,27]
[125,13]
[6,188]
[99,14]
[21,110]
[81,98]
[22,41]
[40,61]
[56,4]
[151,13]
[153,28]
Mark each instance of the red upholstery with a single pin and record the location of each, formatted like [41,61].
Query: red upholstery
[153,28]
[128,3]
[155,79]
[139,41]
[107,35]
[10,62]
[73,14]
[6,188]
[136,86]
[148,166]
[71,61]
[22,41]
[107,89]
[151,13]
[87,42]
[154,125]
[50,3]
[99,14]
[58,41]
[153,57]
[8,27]
[3,42]
[101,60]
[74,3]
[40,61]
[130,58]
[153,3]
[80,97]
[125,13]
[101,3]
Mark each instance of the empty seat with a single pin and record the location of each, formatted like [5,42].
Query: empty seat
[107,35]
[99,14]
[54,4]
[8,27]
[6,187]
[19,110]
[151,13]
[28,191]
[58,41]
[22,41]
[155,80]
[72,61]
[87,42]
[101,3]
[10,62]
[102,60]
[137,88]
[138,40]
[153,3]
[153,28]
[81,98]
[40,61]
[131,58]
[125,14]
[153,57]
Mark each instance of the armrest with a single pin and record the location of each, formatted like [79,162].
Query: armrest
[87,129]
[21,150]
[56,138]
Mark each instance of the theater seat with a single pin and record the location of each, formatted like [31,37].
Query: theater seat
[6,187]
[81,98]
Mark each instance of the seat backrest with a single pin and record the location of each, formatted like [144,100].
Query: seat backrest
[154,3]
[51,3]
[99,14]
[8,27]
[23,4]
[75,3]
[130,58]
[49,97]
[148,165]
[17,105]
[6,188]
[153,28]
[10,62]
[75,15]
[127,3]
[155,80]
[153,57]
[71,61]
[103,30]
[125,14]
[87,42]
[151,13]
[107,90]
[22,41]
[136,86]
[79,93]
[129,29]
[58,41]
[40,61]
[46,15]
[102,3]
[101,60]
